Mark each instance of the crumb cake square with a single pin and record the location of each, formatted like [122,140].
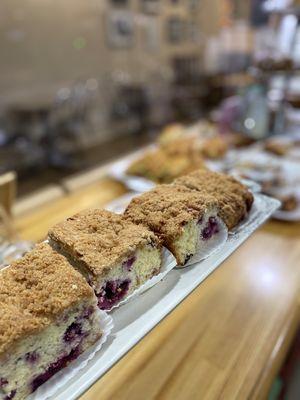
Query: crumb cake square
[114,255]
[233,198]
[48,317]
[183,219]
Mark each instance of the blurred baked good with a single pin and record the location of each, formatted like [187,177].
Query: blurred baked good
[184,146]
[214,148]
[276,147]
[237,139]
[162,166]
[233,198]
[171,132]
[275,64]
[288,203]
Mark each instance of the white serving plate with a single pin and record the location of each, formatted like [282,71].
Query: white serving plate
[136,318]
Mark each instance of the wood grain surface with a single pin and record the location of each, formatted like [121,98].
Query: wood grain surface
[35,224]
[227,340]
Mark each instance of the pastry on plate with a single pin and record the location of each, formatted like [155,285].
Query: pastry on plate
[214,148]
[187,146]
[270,63]
[162,166]
[204,129]
[237,139]
[193,147]
[276,147]
[114,255]
[233,199]
[48,317]
[288,202]
[171,132]
[176,131]
[288,197]
[183,219]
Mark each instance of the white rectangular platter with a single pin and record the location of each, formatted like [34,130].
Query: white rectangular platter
[135,319]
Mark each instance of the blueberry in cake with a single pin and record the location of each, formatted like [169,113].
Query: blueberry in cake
[183,219]
[233,198]
[114,255]
[48,317]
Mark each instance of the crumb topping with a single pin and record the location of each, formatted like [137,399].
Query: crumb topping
[35,290]
[195,146]
[100,239]
[167,208]
[233,198]
[163,166]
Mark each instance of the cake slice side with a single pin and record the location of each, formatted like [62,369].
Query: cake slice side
[134,253]
[42,354]
[195,234]
[48,318]
[180,217]
[234,200]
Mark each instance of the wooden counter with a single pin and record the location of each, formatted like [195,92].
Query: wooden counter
[227,340]
[34,225]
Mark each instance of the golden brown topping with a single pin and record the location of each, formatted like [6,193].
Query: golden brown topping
[197,147]
[100,239]
[233,198]
[186,145]
[35,290]
[167,208]
[164,166]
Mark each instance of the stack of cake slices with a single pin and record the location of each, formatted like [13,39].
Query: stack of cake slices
[192,211]
[49,299]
